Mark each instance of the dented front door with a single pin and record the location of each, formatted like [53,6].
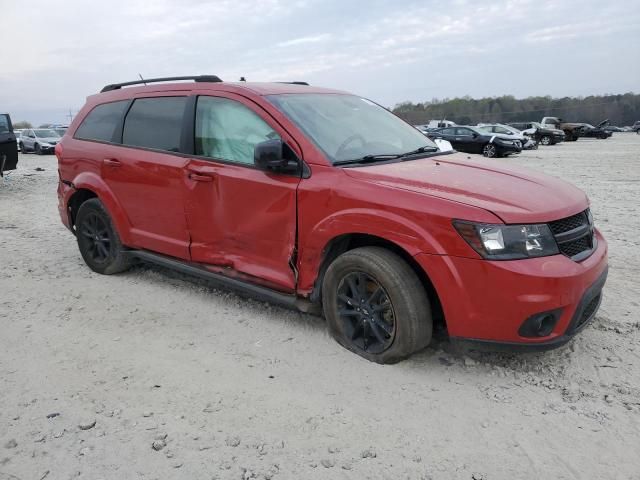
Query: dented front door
[240,219]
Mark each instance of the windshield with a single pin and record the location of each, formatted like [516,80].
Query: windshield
[347,127]
[46,133]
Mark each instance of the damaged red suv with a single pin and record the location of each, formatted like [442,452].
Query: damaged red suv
[324,201]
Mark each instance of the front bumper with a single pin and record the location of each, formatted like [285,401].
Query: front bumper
[508,149]
[486,302]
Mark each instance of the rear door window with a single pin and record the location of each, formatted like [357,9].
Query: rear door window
[155,123]
[101,122]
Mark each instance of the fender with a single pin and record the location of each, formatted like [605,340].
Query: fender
[397,229]
[91,181]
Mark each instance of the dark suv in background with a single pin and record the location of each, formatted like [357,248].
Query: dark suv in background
[8,144]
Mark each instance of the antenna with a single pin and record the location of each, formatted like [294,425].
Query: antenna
[145,83]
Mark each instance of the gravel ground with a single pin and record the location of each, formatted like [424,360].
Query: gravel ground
[150,374]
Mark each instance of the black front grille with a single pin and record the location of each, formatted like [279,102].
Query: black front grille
[569,223]
[588,311]
[574,235]
[576,247]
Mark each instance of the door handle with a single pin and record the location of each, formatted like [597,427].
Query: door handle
[112,162]
[200,178]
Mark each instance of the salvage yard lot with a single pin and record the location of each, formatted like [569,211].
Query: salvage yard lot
[225,387]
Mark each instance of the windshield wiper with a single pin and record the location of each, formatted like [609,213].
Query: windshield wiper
[368,159]
[387,156]
[425,149]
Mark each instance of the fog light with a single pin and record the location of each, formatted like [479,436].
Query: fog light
[540,324]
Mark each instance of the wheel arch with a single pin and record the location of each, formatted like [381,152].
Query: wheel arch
[88,185]
[349,241]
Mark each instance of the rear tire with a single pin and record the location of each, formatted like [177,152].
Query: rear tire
[98,240]
[375,305]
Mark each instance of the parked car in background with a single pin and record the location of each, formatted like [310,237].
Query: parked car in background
[543,135]
[60,130]
[17,133]
[614,129]
[572,131]
[527,142]
[352,213]
[8,149]
[599,131]
[636,127]
[474,140]
[39,140]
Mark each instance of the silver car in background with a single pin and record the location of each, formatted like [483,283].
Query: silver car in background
[38,140]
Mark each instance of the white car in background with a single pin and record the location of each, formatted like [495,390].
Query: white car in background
[17,132]
[527,142]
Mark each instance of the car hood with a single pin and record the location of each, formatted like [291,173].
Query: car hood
[48,139]
[514,194]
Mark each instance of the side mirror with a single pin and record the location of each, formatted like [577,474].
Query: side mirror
[475,135]
[268,155]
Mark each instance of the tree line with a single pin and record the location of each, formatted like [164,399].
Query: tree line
[620,110]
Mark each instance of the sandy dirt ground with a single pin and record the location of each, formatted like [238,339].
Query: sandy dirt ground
[153,375]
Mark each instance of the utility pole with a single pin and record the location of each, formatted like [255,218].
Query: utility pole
[70,116]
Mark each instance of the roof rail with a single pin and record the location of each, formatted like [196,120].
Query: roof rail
[196,78]
[296,83]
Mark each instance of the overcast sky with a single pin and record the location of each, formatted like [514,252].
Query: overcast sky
[389,51]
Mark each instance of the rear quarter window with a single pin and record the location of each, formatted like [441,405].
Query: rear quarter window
[155,123]
[101,122]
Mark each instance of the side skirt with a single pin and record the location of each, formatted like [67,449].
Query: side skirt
[249,289]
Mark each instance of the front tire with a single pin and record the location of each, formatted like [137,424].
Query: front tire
[21,146]
[490,150]
[37,149]
[545,140]
[98,240]
[375,305]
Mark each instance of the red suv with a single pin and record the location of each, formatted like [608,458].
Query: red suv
[325,201]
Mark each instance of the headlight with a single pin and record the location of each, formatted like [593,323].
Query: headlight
[45,144]
[508,242]
[505,141]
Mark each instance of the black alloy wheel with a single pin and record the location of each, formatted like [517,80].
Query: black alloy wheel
[98,240]
[94,232]
[375,305]
[366,312]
